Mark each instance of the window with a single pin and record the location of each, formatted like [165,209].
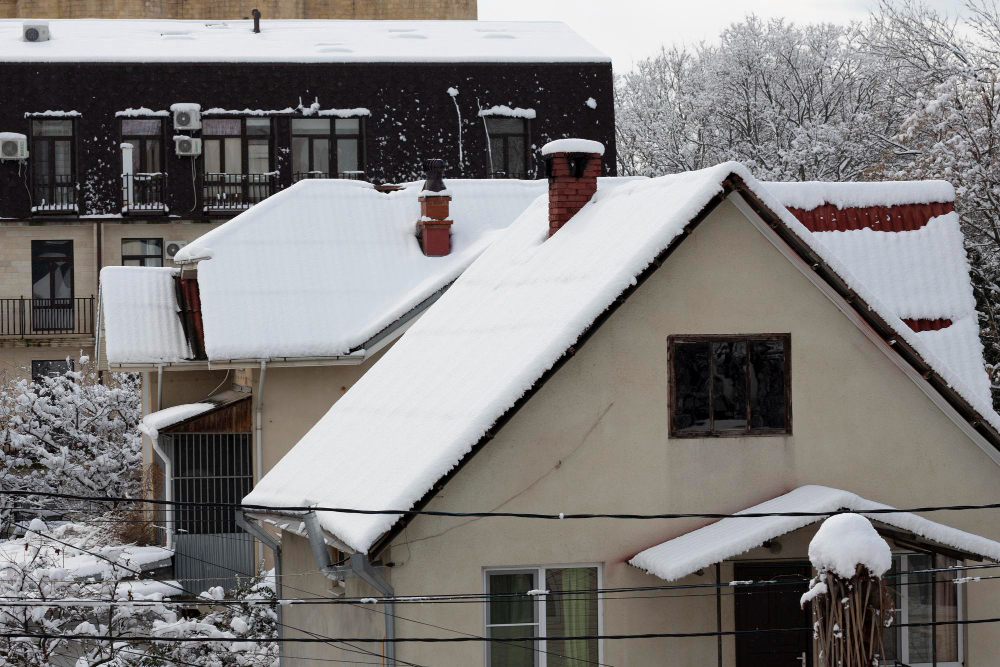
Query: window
[146,137]
[51,285]
[916,598]
[50,368]
[327,148]
[730,385]
[508,145]
[142,252]
[53,171]
[509,616]
[237,159]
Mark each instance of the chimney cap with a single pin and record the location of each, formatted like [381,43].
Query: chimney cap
[573,146]
[434,175]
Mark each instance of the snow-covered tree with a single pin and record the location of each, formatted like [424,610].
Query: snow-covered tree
[70,434]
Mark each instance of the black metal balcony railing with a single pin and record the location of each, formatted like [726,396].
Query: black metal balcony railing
[144,193]
[54,196]
[236,192]
[348,175]
[26,317]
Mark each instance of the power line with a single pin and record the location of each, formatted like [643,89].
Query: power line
[447,640]
[511,515]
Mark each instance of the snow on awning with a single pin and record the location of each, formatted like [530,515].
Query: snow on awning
[140,311]
[688,553]
[154,421]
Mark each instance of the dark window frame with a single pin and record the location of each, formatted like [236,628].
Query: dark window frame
[708,339]
[34,149]
[331,138]
[70,257]
[137,143]
[244,144]
[141,258]
[36,364]
[504,138]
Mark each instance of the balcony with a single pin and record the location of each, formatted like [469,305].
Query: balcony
[225,193]
[347,175]
[144,193]
[23,318]
[54,194]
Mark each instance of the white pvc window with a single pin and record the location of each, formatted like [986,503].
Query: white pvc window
[917,603]
[565,603]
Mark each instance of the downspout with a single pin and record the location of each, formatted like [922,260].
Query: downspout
[361,567]
[168,465]
[259,444]
[275,546]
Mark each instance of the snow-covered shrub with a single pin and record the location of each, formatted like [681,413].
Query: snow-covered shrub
[70,434]
[850,602]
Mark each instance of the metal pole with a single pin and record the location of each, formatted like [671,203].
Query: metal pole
[718,607]
[933,613]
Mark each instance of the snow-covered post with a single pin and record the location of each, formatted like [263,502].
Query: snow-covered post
[849,598]
[127,176]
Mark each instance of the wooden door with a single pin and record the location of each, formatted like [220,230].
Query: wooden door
[773,607]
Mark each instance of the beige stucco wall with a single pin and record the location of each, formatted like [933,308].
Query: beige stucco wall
[595,438]
[16,353]
[236,9]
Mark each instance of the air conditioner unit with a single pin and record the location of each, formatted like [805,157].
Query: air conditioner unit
[186,116]
[13,146]
[174,247]
[187,146]
[35,31]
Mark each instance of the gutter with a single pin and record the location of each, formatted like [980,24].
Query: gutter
[275,546]
[259,444]
[360,566]
[168,465]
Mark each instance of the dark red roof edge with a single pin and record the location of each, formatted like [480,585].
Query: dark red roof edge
[899,218]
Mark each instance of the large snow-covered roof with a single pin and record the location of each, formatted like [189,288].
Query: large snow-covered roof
[307,41]
[320,268]
[508,319]
[140,313]
[727,538]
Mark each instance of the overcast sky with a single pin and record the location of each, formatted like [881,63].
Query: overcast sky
[630,30]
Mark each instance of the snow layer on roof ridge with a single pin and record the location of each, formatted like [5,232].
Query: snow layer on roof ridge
[919,274]
[305,41]
[727,538]
[139,309]
[528,298]
[808,195]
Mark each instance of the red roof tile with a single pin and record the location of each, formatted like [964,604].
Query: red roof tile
[901,218]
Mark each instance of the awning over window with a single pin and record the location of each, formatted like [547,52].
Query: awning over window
[733,536]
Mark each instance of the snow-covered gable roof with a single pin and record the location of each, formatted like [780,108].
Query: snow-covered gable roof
[509,319]
[910,253]
[141,323]
[306,41]
[730,537]
[320,268]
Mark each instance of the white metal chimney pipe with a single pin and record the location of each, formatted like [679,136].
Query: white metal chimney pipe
[127,176]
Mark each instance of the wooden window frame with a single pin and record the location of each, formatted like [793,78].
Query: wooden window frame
[142,258]
[504,139]
[34,143]
[786,338]
[244,144]
[137,140]
[331,137]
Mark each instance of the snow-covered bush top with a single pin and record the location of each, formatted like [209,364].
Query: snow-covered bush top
[845,541]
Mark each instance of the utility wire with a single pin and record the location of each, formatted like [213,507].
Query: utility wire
[511,515]
[447,640]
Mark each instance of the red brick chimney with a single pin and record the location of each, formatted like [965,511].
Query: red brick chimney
[573,166]
[434,227]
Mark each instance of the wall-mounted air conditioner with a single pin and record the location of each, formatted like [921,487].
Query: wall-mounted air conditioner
[13,146]
[187,116]
[187,146]
[35,31]
[174,247]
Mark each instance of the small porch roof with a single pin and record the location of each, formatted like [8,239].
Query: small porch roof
[724,539]
[178,415]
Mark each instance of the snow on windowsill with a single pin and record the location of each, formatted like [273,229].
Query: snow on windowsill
[53,114]
[140,113]
[503,110]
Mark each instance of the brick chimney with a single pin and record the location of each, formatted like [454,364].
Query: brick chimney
[572,166]
[434,227]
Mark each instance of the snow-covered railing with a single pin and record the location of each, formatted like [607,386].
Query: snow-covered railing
[26,317]
[236,192]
